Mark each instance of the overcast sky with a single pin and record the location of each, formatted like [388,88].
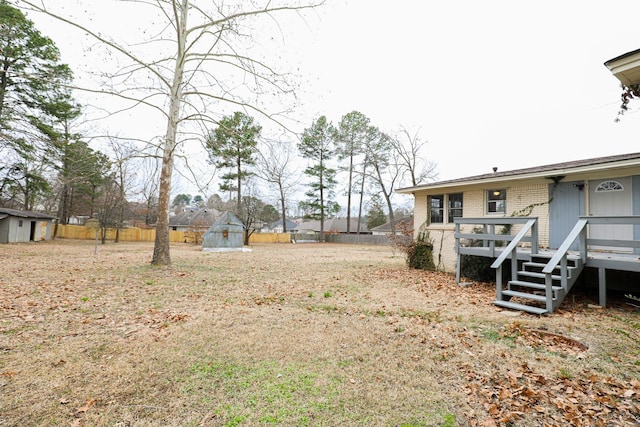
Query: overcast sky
[494,83]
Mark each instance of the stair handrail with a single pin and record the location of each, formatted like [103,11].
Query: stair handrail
[577,231]
[513,245]
[512,249]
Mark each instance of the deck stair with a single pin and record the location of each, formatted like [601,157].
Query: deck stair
[529,290]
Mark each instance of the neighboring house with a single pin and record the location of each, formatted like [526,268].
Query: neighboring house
[402,224]
[24,226]
[193,219]
[564,199]
[226,234]
[276,227]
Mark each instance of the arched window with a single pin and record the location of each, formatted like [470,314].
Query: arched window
[609,186]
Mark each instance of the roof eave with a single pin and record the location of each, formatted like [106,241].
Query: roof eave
[505,177]
[626,67]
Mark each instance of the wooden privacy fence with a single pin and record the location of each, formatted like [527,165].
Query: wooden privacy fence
[149,235]
[270,238]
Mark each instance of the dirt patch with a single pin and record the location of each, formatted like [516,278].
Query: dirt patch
[313,334]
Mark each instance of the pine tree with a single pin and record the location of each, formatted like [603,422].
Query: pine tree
[317,145]
[233,145]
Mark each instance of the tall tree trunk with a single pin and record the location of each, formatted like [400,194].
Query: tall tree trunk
[361,198]
[284,212]
[349,193]
[4,81]
[121,200]
[239,193]
[161,253]
[387,198]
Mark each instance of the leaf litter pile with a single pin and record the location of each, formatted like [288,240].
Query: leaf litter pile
[308,334]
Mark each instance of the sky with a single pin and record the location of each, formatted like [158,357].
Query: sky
[497,83]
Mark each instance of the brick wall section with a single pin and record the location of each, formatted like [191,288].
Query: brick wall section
[522,197]
[419,212]
[519,198]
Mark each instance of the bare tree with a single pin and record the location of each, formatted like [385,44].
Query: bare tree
[199,34]
[122,155]
[148,187]
[384,167]
[274,166]
[410,149]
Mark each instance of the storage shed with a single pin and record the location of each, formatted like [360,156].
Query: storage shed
[224,235]
[24,226]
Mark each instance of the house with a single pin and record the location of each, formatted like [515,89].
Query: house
[276,227]
[24,226]
[226,234]
[193,219]
[580,208]
[402,224]
[626,67]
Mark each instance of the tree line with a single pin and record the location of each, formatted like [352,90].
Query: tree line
[49,161]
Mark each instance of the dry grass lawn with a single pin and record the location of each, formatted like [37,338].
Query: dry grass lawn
[308,334]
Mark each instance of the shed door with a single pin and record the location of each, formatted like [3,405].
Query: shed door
[610,197]
[566,206]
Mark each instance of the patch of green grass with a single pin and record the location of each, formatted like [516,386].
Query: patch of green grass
[326,308]
[490,334]
[328,294]
[262,393]
[310,295]
[84,299]
[376,313]
[496,336]
[620,331]
[565,374]
[449,420]
[438,419]
[633,324]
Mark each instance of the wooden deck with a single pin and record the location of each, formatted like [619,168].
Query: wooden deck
[545,270]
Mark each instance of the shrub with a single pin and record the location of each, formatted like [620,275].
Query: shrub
[477,268]
[419,252]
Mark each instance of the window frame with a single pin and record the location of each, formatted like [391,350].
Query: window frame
[450,209]
[609,185]
[496,197]
[441,198]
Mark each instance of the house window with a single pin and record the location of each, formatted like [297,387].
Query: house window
[496,201]
[609,186]
[436,205]
[455,206]
[19,223]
